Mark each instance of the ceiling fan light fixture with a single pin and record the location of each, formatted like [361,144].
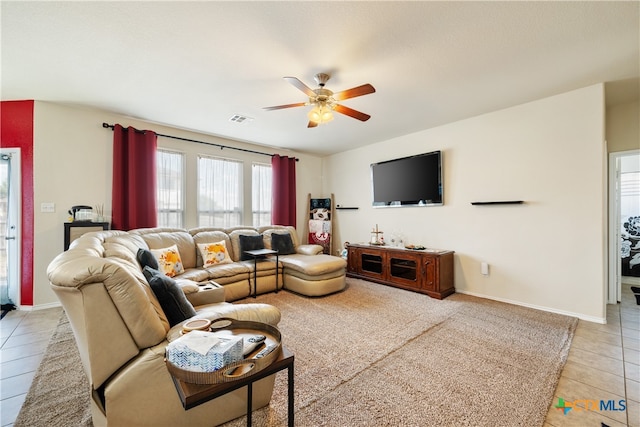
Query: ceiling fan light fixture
[324,101]
[320,114]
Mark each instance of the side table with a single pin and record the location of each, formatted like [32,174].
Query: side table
[192,395]
[256,254]
[75,229]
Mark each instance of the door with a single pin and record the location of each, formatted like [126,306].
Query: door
[371,263]
[10,197]
[624,203]
[404,268]
[429,273]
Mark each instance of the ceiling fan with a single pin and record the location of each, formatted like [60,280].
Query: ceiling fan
[325,102]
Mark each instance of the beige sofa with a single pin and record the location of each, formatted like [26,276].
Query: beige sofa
[121,330]
[308,271]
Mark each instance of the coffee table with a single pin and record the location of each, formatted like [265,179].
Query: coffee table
[192,395]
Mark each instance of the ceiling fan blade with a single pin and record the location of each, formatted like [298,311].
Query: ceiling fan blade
[280,107]
[351,113]
[353,92]
[303,87]
[312,124]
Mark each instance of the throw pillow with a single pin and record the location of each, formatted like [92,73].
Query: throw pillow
[146,258]
[169,260]
[282,243]
[174,303]
[249,243]
[214,253]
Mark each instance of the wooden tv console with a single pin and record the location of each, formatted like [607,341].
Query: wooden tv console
[426,271]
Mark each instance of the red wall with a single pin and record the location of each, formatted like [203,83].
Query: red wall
[16,131]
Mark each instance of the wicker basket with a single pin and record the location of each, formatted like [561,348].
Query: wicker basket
[242,368]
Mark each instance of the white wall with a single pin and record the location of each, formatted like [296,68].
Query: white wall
[73,164]
[623,127]
[548,253]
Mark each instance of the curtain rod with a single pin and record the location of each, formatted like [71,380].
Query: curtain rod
[108,126]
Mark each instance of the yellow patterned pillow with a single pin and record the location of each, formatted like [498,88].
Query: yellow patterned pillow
[214,253]
[169,260]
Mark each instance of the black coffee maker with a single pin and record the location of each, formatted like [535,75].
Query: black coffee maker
[81,213]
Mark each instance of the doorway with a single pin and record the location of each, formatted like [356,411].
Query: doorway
[624,206]
[10,236]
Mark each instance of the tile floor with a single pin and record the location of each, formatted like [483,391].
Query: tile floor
[604,363]
[24,336]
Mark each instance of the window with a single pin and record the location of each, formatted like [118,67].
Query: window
[261,194]
[170,191]
[219,192]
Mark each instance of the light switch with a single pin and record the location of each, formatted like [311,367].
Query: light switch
[47,207]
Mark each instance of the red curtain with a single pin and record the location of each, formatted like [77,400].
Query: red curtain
[134,179]
[283,207]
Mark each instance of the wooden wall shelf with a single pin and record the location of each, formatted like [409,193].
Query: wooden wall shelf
[504,202]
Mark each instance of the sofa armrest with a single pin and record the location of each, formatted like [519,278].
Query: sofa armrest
[309,249]
[208,293]
[188,286]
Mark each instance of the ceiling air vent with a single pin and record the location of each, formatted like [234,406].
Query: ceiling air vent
[237,118]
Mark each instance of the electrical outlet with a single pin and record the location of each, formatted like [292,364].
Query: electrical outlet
[47,207]
[484,269]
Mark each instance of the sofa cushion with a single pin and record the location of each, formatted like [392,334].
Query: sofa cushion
[282,243]
[197,230]
[230,230]
[249,243]
[157,239]
[234,269]
[169,260]
[196,274]
[146,258]
[267,231]
[309,249]
[316,265]
[171,298]
[214,253]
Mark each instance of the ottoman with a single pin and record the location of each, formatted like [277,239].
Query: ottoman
[314,275]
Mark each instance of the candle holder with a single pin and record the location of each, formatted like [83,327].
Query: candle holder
[376,237]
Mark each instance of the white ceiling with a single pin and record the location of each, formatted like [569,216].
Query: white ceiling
[193,65]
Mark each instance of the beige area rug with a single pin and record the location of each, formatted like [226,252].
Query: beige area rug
[376,355]
[379,356]
[59,393]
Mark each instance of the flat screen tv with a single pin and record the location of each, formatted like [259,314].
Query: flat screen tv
[408,181]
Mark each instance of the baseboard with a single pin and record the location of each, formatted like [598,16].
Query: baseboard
[39,306]
[601,320]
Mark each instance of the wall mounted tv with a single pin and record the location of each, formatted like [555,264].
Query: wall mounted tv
[408,181]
